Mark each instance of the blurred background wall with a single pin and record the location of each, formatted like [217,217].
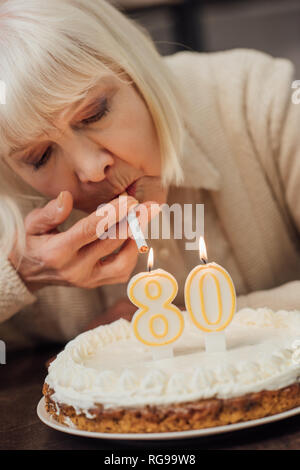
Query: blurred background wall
[272,26]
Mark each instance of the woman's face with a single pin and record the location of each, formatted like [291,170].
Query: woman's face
[103,145]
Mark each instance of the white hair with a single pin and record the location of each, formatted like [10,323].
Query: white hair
[51,54]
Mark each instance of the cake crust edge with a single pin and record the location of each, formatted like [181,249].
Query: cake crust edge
[199,414]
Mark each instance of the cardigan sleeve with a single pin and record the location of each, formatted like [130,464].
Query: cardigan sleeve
[275,132]
[289,159]
[14,295]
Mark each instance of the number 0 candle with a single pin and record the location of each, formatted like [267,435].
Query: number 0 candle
[210,300]
[157,322]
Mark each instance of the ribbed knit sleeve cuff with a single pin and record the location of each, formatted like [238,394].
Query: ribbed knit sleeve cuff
[13,293]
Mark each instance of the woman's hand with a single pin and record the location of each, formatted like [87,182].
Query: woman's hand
[74,257]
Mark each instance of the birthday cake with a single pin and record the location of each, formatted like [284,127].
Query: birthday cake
[107,381]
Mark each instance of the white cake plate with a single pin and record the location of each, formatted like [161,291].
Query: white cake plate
[50,421]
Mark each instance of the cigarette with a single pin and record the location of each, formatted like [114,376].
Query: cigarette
[136,230]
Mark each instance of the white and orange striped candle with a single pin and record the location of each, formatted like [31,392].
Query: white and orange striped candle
[210,300]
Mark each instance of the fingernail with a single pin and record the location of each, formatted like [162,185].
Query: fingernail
[60,202]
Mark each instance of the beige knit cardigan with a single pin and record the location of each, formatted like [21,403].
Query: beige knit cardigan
[242,160]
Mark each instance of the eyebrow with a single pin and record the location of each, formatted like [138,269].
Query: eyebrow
[24,149]
[86,103]
[94,103]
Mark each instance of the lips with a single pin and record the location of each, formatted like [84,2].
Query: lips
[131,189]
[94,198]
[144,188]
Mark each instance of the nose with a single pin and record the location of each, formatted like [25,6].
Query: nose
[92,166]
[90,161]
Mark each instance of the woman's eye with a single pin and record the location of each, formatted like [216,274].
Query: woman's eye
[99,115]
[96,117]
[44,158]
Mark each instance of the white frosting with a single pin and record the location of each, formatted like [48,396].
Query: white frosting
[108,365]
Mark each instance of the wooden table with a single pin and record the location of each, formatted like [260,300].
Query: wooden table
[21,381]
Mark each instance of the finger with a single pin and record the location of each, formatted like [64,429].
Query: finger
[117,266]
[47,218]
[147,186]
[116,236]
[145,213]
[118,233]
[96,224]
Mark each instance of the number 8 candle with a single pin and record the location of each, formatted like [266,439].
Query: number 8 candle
[210,300]
[157,322]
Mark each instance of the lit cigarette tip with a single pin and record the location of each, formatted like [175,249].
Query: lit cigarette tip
[136,230]
[137,233]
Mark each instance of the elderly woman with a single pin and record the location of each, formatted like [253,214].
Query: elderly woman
[93,110]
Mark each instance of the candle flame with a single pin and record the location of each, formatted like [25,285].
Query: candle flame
[202,250]
[150,260]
